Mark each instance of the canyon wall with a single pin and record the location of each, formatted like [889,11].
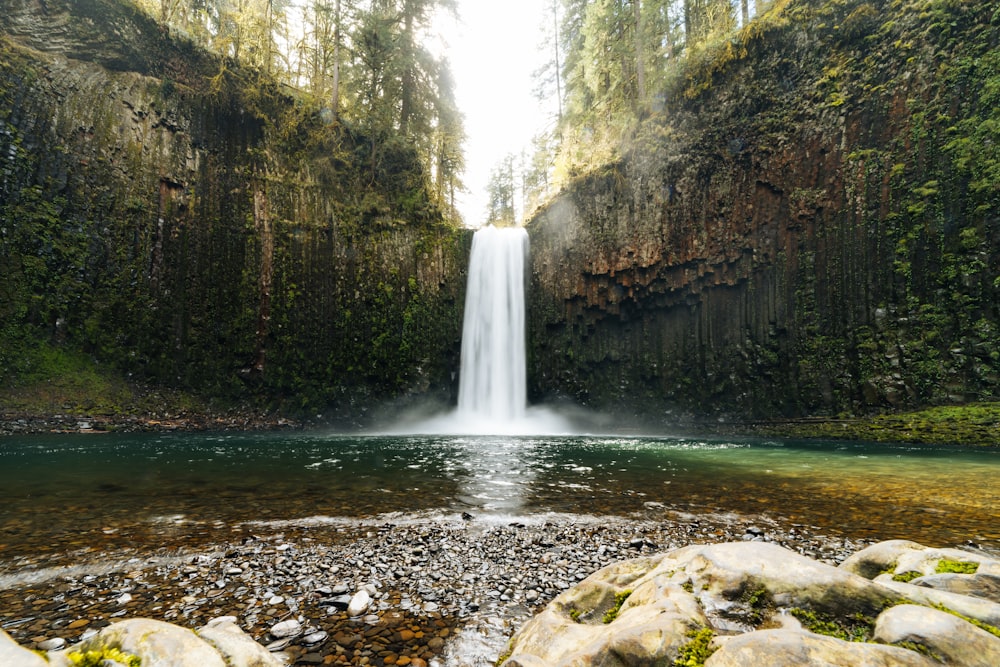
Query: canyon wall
[195,225]
[810,226]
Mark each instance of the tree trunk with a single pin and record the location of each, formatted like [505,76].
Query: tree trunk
[555,41]
[408,80]
[335,97]
[688,22]
[640,68]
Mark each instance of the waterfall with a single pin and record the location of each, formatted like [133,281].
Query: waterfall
[492,382]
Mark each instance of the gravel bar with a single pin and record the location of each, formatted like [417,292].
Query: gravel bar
[393,590]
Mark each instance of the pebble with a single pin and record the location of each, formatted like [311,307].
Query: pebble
[53,644]
[290,628]
[279,645]
[359,603]
[315,637]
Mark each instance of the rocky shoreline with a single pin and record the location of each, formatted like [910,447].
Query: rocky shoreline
[436,590]
[238,420]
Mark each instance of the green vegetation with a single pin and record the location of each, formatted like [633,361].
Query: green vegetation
[97,658]
[857,628]
[611,614]
[946,566]
[992,629]
[880,294]
[697,651]
[974,425]
[921,649]
[364,64]
[907,577]
[759,602]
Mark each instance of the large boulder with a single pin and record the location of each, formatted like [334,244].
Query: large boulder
[898,557]
[157,644]
[13,655]
[758,599]
[944,636]
[793,648]
[220,643]
[628,613]
[236,647]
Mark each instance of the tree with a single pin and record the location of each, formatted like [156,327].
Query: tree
[448,157]
[501,193]
[366,61]
[640,58]
[549,74]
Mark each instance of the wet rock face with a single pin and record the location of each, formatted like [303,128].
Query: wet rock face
[733,603]
[759,253]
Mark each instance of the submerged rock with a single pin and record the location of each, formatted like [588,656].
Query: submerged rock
[744,600]
[289,628]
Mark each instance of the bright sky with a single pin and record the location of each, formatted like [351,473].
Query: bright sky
[493,49]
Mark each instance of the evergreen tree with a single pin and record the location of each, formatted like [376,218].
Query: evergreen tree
[501,190]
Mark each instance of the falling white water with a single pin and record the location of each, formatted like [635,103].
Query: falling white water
[492,389]
[492,380]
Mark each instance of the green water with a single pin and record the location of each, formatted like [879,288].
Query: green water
[72,493]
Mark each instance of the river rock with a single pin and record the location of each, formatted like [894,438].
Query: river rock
[289,628]
[359,603]
[724,576]
[949,638]
[985,586]
[901,556]
[54,644]
[235,646]
[986,611]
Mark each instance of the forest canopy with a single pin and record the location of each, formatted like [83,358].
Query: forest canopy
[365,63]
[609,64]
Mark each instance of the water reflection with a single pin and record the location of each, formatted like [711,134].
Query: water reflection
[495,474]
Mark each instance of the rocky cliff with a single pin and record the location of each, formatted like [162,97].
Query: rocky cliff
[811,226]
[191,223]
